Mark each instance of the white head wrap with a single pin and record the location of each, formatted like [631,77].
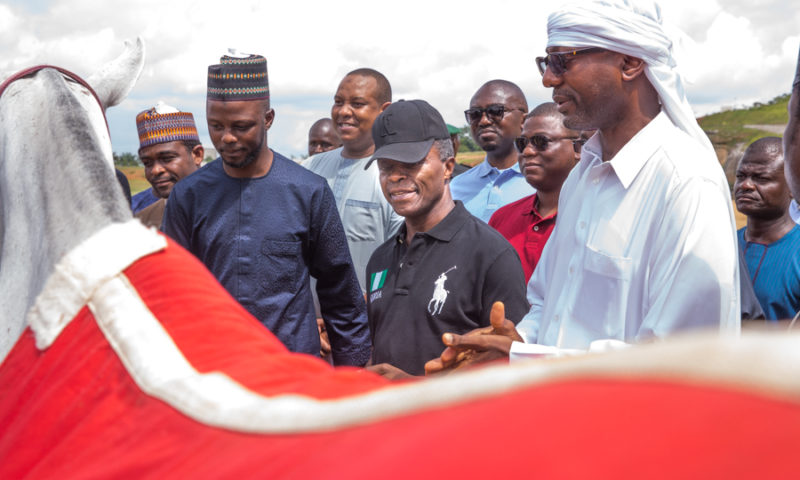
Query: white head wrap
[634,28]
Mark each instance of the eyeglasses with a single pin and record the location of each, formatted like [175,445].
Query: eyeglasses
[494,113]
[540,142]
[558,61]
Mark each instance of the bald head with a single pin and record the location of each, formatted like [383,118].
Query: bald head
[547,109]
[322,137]
[503,88]
[767,147]
[383,90]
[494,128]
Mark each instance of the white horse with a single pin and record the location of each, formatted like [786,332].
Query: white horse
[50,206]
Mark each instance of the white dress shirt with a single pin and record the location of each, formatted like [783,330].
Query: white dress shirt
[794,211]
[644,245]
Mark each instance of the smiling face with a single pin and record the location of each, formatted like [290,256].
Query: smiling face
[355,108]
[760,189]
[546,170]
[166,163]
[497,135]
[239,130]
[416,190]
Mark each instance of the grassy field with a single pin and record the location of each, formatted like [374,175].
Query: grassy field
[728,128]
[135,178]
[470,158]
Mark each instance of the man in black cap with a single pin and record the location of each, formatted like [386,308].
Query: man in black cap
[262,224]
[444,268]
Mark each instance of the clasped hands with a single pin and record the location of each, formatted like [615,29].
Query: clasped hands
[481,345]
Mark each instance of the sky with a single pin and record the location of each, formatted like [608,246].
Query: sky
[734,54]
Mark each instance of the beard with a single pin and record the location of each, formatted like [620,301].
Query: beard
[245,162]
[249,158]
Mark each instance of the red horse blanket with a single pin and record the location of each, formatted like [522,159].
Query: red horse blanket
[139,365]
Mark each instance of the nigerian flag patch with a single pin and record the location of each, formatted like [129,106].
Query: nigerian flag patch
[376,280]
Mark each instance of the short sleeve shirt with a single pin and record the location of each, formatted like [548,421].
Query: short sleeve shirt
[445,280]
[524,227]
[484,188]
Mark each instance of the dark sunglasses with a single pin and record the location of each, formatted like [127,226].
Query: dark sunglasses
[540,142]
[494,113]
[558,61]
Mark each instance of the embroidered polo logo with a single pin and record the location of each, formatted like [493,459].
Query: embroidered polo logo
[439,293]
[376,280]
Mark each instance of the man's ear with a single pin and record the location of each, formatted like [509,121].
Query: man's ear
[449,166]
[269,117]
[383,107]
[632,67]
[197,154]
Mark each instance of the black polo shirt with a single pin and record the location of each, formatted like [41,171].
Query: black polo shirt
[445,280]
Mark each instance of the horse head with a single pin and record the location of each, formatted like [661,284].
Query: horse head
[57,180]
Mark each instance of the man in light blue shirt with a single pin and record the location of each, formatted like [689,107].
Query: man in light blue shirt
[495,117]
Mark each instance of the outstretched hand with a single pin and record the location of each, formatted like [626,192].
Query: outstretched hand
[478,346]
[389,371]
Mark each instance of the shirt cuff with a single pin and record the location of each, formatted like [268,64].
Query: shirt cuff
[526,351]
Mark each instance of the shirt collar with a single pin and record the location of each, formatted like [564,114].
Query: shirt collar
[484,168]
[446,229]
[534,212]
[631,158]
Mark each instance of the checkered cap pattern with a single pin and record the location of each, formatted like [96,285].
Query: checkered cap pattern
[237,79]
[157,128]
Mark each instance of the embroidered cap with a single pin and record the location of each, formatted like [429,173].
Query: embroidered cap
[164,123]
[406,130]
[238,77]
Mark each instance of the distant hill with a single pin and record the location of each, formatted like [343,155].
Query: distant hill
[732,131]
[736,126]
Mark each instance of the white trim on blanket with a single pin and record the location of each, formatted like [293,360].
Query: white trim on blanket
[81,271]
[160,369]
[767,364]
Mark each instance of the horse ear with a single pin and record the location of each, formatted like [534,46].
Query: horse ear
[114,80]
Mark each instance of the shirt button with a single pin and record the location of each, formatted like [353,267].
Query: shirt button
[555,319]
[596,181]
[571,270]
[582,225]
[536,228]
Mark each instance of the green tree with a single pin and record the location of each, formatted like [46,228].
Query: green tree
[126,159]
[467,143]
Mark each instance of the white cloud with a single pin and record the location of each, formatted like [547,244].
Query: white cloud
[440,51]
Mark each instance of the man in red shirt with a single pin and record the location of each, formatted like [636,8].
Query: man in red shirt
[547,152]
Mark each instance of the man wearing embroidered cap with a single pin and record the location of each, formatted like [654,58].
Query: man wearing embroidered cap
[170,149]
[644,243]
[263,224]
[444,268]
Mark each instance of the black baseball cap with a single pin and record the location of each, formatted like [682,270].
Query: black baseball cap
[406,130]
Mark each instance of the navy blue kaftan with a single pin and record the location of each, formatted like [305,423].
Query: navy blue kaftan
[261,238]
